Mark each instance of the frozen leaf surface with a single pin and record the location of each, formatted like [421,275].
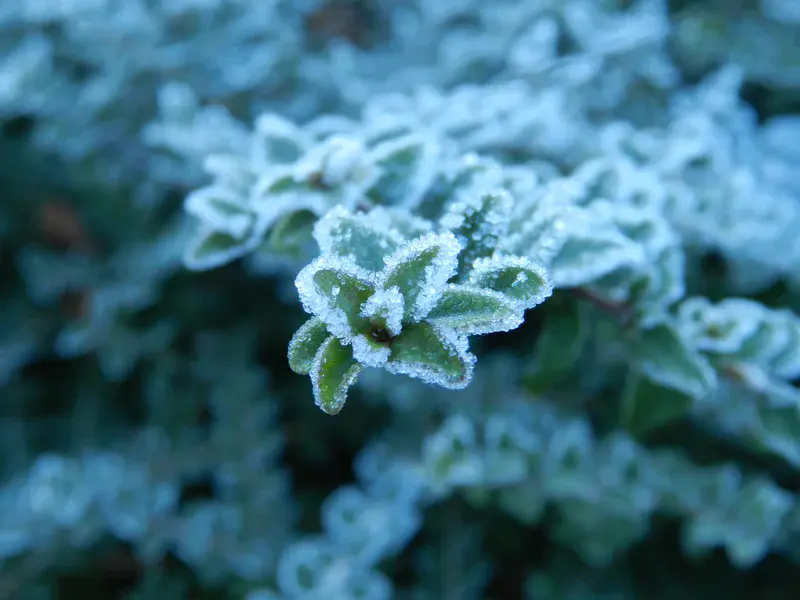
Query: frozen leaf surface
[434,355]
[305,343]
[334,289]
[356,236]
[333,372]
[420,269]
[479,222]
[515,277]
[471,310]
[666,358]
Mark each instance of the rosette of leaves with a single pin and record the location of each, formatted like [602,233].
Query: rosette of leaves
[386,292]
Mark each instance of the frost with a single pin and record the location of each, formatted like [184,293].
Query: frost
[405,223]
[419,270]
[305,343]
[358,236]
[336,162]
[339,310]
[333,372]
[592,249]
[278,141]
[211,248]
[470,310]
[479,222]
[744,331]
[407,166]
[221,210]
[432,354]
[386,307]
[369,352]
[664,356]
[517,278]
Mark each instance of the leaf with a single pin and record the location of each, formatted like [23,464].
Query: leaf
[420,269]
[211,248]
[407,166]
[385,309]
[221,210]
[334,289]
[405,223]
[517,278]
[333,372]
[647,406]
[559,346]
[305,343]
[291,234]
[459,176]
[433,355]
[470,310]
[277,140]
[664,357]
[592,248]
[356,236]
[479,222]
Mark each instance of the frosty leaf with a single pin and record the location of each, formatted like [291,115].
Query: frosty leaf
[370,351]
[458,176]
[334,289]
[720,329]
[212,248]
[405,223]
[305,343]
[407,166]
[385,310]
[356,236]
[337,162]
[479,222]
[648,406]
[664,357]
[592,249]
[419,270]
[433,355]
[333,372]
[470,310]
[745,331]
[515,277]
[291,234]
[541,234]
[230,171]
[221,210]
[277,140]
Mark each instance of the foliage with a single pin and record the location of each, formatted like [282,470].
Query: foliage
[370,300]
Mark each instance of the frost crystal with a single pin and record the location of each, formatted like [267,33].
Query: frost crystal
[419,270]
[518,278]
[386,307]
[334,289]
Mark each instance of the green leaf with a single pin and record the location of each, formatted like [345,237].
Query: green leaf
[334,290]
[211,248]
[356,236]
[305,343]
[291,234]
[647,405]
[479,222]
[420,269]
[221,209]
[559,346]
[469,310]
[407,167]
[662,355]
[333,372]
[433,355]
[515,277]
